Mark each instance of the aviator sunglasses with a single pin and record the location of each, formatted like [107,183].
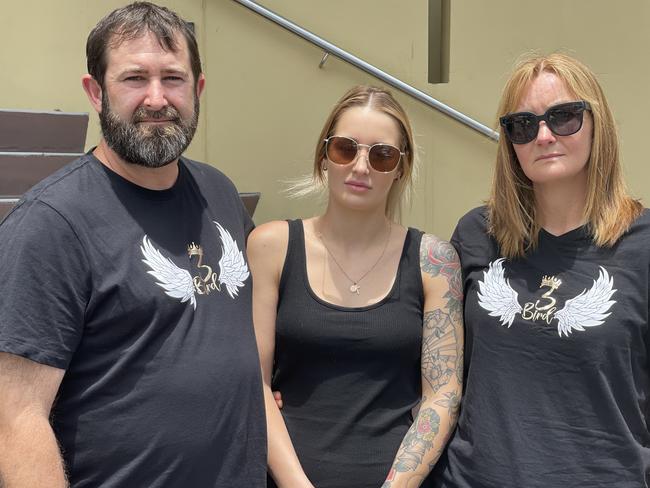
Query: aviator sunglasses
[563,120]
[383,158]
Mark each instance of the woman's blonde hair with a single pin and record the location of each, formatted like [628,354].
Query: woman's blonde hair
[609,210]
[382,101]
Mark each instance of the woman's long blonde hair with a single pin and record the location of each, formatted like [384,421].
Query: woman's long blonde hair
[609,210]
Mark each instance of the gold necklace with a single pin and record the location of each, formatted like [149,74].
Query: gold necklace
[355,287]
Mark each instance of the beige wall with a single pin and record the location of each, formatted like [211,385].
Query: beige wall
[266,98]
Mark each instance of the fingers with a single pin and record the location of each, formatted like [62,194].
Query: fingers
[277,396]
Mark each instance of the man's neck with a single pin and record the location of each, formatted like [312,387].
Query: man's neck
[161,178]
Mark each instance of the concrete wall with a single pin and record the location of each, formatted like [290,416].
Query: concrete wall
[266,98]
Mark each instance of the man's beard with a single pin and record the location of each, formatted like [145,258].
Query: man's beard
[149,145]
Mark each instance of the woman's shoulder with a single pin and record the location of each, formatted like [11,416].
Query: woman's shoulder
[432,241]
[643,220]
[436,254]
[440,269]
[639,229]
[475,219]
[269,238]
[472,227]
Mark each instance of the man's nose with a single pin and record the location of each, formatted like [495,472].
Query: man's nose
[155,99]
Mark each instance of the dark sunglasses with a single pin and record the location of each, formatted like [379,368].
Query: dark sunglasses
[563,120]
[381,157]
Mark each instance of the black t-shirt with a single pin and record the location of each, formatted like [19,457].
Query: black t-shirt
[556,386]
[144,298]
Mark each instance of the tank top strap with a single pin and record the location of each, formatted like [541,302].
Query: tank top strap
[294,261]
[409,274]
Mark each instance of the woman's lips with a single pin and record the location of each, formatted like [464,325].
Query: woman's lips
[548,156]
[357,185]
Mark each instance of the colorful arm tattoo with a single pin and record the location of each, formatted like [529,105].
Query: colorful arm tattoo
[439,258]
[442,349]
[442,368]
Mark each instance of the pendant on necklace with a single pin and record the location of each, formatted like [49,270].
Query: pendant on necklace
[354,288]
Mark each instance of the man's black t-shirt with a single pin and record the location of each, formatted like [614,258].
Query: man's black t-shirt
[557,384]
[144,298]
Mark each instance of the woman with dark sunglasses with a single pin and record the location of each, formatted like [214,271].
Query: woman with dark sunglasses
[555,274]
[358,319]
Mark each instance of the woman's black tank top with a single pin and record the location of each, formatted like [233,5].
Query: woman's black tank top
[349,377]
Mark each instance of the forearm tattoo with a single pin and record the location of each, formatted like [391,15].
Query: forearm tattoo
[417,441]
[452,402]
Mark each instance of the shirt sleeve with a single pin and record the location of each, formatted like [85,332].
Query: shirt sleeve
[44,285]
[458,241]
[455,240]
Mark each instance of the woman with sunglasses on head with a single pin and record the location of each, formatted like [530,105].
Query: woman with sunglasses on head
[358,319]
[555,274]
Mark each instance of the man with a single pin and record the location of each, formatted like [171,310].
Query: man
[128,355]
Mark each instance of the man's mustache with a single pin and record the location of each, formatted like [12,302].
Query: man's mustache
[169,112]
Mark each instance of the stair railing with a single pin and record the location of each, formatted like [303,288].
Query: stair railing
[330,48]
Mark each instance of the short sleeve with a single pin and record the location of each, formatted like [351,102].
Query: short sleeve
[44,285]
[472,240]
[455,239]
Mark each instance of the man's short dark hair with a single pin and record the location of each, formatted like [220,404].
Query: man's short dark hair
[132,22]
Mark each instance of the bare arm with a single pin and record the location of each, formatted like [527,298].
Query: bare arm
[441,365]
[267,246]
[30,454]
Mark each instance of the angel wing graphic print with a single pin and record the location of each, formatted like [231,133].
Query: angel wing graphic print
[589,308]
[203,278]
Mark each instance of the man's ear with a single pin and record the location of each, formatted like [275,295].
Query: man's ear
[93,91]
[200,85]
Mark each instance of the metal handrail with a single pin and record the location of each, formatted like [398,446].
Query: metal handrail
[328,47]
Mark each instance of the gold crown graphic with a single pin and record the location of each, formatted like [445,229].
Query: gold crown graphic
[194,250]
[551,281]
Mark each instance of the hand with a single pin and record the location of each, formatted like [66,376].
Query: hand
[277,396]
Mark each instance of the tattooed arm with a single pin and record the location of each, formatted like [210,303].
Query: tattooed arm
[441,366]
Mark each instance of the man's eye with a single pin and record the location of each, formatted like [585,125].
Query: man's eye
[134,78]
